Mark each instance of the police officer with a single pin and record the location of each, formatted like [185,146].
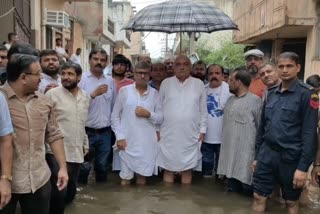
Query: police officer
[287,138]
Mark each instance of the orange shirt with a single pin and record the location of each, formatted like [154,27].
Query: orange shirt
[257,87]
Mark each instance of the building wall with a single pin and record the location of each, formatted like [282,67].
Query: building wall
[256,17]
[280,21]
[36,23]
[6,22]
[136,47]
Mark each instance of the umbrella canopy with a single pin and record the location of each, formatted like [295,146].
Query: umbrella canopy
[180,16]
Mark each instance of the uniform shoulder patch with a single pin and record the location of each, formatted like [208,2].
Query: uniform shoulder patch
[314,101]
[305,85]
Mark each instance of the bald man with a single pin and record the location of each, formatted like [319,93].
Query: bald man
[184,104]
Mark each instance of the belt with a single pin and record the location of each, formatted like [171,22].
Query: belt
[101,130]
[275,147]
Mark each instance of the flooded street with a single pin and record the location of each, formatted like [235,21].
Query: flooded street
[203,197]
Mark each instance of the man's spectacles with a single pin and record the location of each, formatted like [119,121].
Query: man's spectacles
[142,73]
[37,74]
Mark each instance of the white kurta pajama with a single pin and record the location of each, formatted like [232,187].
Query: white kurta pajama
[140,133]
[185,117]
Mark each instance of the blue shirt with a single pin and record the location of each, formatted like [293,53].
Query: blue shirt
[289,123]
[5,120]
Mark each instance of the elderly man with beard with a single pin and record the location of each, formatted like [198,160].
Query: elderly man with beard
[99,117]
[254,59]
[183,100]
[50,66]
[217,95]
[241,116]
[199,71]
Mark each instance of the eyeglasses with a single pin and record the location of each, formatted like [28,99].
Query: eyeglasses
[37,74]
[142,73]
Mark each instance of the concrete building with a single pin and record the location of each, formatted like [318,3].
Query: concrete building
[15,17]
[120,12]
[275,26]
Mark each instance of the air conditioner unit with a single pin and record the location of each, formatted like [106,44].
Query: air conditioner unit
[58,19]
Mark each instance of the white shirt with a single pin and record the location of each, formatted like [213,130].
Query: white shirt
[46,80]
[185,117]
[75,59]
[62,51]
[8,46]
[216,100]
[71,113]
[139,132]
[101,107]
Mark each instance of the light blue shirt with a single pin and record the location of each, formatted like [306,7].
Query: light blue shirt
[5,120]
[100,108]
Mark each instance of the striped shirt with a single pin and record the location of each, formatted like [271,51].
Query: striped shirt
[240,122]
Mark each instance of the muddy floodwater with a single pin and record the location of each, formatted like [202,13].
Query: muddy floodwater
[204,196]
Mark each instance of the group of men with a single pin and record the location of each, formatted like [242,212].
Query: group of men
[259,128]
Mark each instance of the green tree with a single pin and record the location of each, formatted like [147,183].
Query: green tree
[229,55]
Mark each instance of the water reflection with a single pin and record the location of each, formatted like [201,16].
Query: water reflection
[203,197]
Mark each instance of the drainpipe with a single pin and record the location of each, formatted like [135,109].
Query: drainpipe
[43,25]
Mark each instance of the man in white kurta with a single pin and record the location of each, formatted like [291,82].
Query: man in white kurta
[136,113]
[184,107]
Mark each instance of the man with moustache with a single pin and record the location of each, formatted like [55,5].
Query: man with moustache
[217,95]
[34,121]
[158,74]
[50,66]
[99,115]
[119,68]
[136,113]
[269,76]
[254,59]
[169,64]
[183,101]
[71,106]
[241,116]
[199,71]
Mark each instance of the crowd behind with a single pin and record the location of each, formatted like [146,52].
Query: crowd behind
[253,127]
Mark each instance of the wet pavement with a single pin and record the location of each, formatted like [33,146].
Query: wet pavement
[204,196]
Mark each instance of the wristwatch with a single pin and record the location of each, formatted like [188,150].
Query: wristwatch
[8,177]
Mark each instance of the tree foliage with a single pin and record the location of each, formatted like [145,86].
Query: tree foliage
[229,55]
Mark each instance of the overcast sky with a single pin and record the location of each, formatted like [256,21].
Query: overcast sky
[154,41]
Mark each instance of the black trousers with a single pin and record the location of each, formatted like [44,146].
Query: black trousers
[57,204]
[37,202]
[60,198]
